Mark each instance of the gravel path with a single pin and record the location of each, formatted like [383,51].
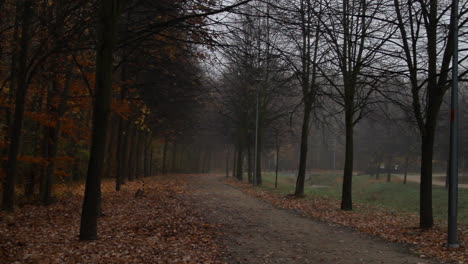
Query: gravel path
[255,232]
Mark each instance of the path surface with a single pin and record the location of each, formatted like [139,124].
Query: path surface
[416,178]
[255,232]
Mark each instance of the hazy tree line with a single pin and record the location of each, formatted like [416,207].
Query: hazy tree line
[381,68]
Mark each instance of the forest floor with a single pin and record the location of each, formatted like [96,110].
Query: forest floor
[150,220]
[204,219]
[256,231]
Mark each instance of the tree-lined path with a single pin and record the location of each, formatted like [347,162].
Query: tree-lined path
[256,232]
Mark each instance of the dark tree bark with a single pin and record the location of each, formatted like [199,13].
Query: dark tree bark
[406,169]
[299,192]
[8,200]
[258,173]
[346,198]
[227,161]
[234,162]
[389,169]
[277,161]
[240,160]
[249,162]
[109,11]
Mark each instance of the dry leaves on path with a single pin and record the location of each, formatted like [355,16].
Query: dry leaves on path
[155,226]
[392,226]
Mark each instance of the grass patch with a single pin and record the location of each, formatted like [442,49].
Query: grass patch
[394,195]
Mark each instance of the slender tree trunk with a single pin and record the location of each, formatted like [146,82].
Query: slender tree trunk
[259,156]
[277,162]
[234,162]
[240,161]
[303,151]
[346,199]
[377,173]
[389,169]
[127,153]
[8,200]
[406,169]
[427,151]
[108,16]
[249,162]
[227,161]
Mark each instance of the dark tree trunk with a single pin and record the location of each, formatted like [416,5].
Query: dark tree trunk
[259,157]
[277,162]
[299,192]
[377,173]
[127,153]
[425,202]
[234,162]
[346,199]
[249,162]
[406,170]
[227,161]
[8,200]
[389,169]
[240,161]
[108,16]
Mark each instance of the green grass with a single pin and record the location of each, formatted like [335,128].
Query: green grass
[394,196]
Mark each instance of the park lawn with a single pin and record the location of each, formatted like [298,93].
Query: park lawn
[394,196]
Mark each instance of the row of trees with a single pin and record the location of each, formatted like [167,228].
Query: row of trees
[97,84]
[340,60]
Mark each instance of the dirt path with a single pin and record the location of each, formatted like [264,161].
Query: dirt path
[255,232]
[416,178]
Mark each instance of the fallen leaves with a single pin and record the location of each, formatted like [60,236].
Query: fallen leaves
[392,226]
[157,227]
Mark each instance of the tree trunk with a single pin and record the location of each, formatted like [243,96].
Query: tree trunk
[377,173]
[8,200]
[303,151]
[249,162]
[227,161]
[406,169]
[425,203]
[108,16]
[240,162]
[346,199]
[389,169]
[234,162]
[258,173]
[277,162]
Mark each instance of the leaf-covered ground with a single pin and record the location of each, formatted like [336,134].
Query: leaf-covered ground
[372,220]
[157,226]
